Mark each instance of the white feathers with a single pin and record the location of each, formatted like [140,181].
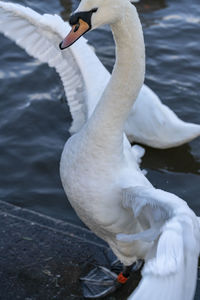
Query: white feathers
[40,37]
[167,225]
[169,253]
[170,269]
[154,124]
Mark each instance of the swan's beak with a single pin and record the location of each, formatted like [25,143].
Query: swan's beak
[81,23]
[77,31]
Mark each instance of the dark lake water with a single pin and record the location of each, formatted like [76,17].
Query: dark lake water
[34,117]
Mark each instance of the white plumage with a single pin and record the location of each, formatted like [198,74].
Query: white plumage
[99,169]
[106,187]
[171,264]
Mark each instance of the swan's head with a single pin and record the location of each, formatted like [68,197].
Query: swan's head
[91,14]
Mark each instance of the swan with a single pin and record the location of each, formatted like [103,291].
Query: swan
[105,185]
[149,121]
[98,167]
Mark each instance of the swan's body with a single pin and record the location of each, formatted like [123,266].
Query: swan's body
[105,185]
[102,137]
[149,121]
[99,172]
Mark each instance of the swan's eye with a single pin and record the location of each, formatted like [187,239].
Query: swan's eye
[74,19]
[83,15]
[81,23]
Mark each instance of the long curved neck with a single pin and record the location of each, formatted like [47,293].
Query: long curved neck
[127,78]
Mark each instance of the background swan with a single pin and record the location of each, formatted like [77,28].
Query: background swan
[149,122]
[104,183]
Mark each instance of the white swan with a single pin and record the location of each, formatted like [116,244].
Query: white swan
[99,172]
[84,78]
[105,185]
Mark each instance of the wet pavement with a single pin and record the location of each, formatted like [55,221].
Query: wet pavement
[42,258]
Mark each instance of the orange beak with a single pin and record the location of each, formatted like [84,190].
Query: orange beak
[77,31]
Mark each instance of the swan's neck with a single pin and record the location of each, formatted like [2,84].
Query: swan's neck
[126,80]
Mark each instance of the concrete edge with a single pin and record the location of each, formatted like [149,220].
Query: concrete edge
[50,223]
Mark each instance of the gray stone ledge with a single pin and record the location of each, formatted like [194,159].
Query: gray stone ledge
[42,258]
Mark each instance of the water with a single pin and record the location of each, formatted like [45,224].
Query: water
[34,117]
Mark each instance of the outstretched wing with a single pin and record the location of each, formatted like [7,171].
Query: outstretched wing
[40,36]
[170,269]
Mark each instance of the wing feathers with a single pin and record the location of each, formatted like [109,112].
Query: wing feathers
[40,36]
[169,254]
[173,257]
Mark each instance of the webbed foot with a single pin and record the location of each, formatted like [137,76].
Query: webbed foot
[101,281]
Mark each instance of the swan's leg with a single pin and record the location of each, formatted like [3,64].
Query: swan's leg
[101,281]
[116,266]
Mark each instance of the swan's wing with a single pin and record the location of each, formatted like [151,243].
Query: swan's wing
[152,123]
[40,36]
[170,270]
